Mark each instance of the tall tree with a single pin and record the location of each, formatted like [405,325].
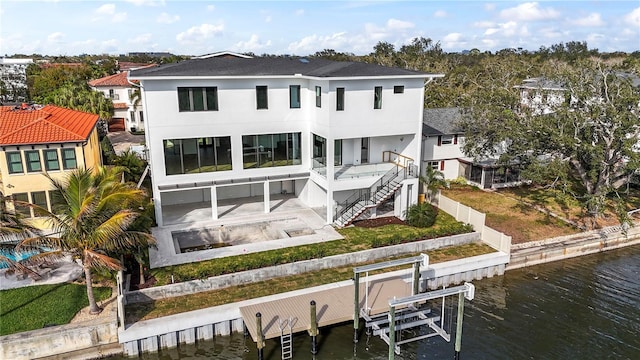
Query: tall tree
[588,139]
[93,221]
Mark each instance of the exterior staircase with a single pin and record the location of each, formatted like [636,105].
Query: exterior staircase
[364,199]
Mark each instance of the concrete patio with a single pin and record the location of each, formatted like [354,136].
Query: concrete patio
[287,217]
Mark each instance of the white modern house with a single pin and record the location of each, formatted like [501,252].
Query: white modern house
[13,79]
[341,137]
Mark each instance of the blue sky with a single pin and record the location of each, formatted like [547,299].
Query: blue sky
[59,27]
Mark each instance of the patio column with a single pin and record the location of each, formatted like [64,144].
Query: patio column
[267,200]
[214,203]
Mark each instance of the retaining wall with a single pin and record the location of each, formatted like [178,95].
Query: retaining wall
[250,276]
[565,247]
[170,331]
[57,340]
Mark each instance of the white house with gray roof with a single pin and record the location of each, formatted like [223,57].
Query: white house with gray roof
[442,141]
[341,137]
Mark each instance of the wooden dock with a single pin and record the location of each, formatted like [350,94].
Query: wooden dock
[333,306]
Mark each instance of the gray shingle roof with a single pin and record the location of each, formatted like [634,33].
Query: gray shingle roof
[442,121]
[268,66]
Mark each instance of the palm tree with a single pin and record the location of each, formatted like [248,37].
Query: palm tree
[93,221]
[432,180]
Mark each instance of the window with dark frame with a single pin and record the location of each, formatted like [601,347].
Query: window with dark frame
[318,96]
[21,209]
[196,99]
[69,159]
[14,162]
[398,89]
[377,97]
[197,155]
[51,162]
[39,198]
[262,101]
[33,161]
[294,96]
[340,99]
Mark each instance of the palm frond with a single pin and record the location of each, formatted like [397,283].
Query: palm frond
[95,259]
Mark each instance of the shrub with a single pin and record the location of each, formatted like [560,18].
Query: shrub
[421,215]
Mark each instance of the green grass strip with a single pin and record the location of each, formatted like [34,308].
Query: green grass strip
[33,307]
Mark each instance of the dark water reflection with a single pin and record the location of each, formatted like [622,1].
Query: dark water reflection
[584,308]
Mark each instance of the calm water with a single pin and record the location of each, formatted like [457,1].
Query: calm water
[585,308]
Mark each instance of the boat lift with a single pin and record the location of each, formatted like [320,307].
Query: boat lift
[405,313]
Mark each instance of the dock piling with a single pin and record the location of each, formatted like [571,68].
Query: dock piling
[356,302]
[313,327]
[260,336]
[459,326]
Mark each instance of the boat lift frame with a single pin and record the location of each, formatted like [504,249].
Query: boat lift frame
[417,261]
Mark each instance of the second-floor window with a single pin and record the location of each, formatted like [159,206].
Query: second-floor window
[33,161]
[198,98]
[51,162]
[318,96]
[14,162]
[262,102]
[447,139]
[398,89]
[69,159]
[339,99]
[294,96]
[377,97]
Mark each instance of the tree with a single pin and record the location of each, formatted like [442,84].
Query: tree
[589,139]
[82,98]
[93,221]
[421,215]
[432,180]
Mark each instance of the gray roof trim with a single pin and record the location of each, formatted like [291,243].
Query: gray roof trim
[295,76]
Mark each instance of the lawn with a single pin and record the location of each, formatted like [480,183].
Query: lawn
[509,215]
[179,304]
[33,307]
[355,239]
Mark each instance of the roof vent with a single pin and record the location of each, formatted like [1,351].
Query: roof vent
[304,60]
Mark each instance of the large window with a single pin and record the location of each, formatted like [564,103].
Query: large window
[294,96]
[262,102]
[33,161]
[69,159]
[51,162]
[318,96]
[39,198]
[21,209]
[319,152]
[197,155]
[377,97]
[271,150]
[340,99]
[197,99]
[14,162]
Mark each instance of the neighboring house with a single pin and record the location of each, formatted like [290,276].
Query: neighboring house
[224,128]
[127,115]
[35,141]
[13,79]
[540,95]
[442,142]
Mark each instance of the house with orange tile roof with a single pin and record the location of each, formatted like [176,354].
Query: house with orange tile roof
[36,141]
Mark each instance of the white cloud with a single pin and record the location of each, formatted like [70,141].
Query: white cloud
[119,17]
[199,33]
[140,39]
[165,18]
[211,7]
[252,45]
[633,18]
[55,37]
[592,19]
[299,12]
[314,42]
[440,14]
[395,24]
[507,29]
[484,24]
[453,41]
[107,9]
[530,11]
[147,2]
